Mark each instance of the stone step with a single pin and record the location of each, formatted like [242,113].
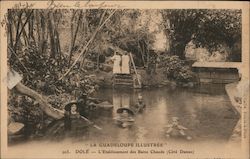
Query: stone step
[123,80]
[123,75]
[123,83]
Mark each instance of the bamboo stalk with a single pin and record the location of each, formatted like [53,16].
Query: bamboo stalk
[17,28]
[86,46]
[74,36]
[19,33]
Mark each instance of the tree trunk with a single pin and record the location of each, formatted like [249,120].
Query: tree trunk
[77,28]
[142,51]
[38,27]
[56,33]
[10,21]
[17,30]
[25,36]
[57,43]
[21,30]
[51,35]
[74,35]
[43,32]
[31,27]
[50,111]
[179,49]
[98,61]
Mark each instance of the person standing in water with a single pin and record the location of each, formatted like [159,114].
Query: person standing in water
[70,114]
[124,117]
[140,105]
[74,123]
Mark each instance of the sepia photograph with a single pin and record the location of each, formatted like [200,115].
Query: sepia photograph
[106,80]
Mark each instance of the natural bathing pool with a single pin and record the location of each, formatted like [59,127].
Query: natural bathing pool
[205,111]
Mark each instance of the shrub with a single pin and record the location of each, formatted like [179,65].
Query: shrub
[176,69]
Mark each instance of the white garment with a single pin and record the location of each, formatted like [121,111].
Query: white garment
[116,66]
[125,64]
[13,78]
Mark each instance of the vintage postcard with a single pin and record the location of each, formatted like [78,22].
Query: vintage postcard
[124,79]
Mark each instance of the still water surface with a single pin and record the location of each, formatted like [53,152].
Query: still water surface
[205,111]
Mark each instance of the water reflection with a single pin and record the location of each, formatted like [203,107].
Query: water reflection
[207,115]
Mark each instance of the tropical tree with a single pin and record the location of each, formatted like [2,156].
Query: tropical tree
[206,28]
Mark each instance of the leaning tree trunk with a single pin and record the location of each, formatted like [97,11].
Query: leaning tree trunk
[52,112]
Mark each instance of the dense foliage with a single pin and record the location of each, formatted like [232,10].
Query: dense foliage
[35,52]
[43,45]
[42,76]
[206,28]
[176,69]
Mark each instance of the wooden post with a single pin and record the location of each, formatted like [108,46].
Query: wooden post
[132,60]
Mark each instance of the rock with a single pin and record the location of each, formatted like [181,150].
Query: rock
[160,85]
[173,85]
[15,127]
[190,84]
[189,138]
[106,68]
[101,78]
[105,105]
[165,82]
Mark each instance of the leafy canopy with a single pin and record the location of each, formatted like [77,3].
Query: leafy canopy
[207,28]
